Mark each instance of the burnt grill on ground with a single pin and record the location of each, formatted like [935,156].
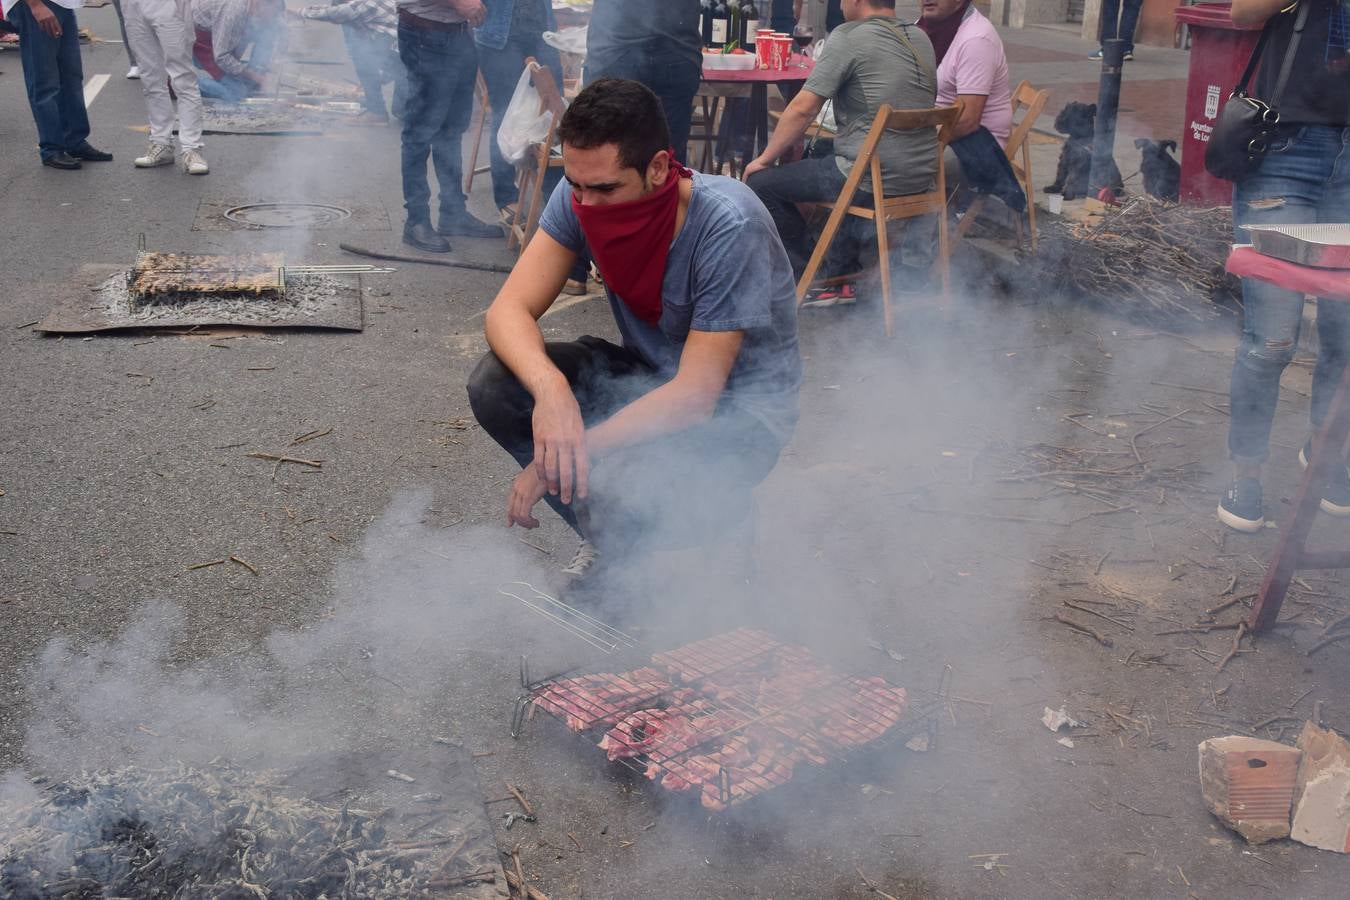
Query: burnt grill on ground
[728,718]
[159,277]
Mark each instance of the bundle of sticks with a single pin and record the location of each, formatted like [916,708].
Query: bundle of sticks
[1148,259]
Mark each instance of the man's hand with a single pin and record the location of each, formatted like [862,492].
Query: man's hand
[473,10]
[45,18]
[527,490]
[560,457]
[755,165]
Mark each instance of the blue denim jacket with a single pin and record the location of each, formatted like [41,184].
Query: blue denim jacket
[496,28]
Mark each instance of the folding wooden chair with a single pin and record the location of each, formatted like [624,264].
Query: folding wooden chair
[531,170]
[1029,102]
[482,116]
[887,209]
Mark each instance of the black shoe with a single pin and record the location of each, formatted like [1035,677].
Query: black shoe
[1336,495]
[61,160]
[1240,508]
[89,153]
[465,225]
[422,236]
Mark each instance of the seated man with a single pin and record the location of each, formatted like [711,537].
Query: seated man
[870,60]
[225,31]
[660,439]
[972,68]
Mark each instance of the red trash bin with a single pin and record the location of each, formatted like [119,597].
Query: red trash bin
[1219,51]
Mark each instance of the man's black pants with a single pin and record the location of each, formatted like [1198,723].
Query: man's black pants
[677,490]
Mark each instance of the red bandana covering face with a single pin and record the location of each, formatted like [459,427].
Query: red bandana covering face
[630,242]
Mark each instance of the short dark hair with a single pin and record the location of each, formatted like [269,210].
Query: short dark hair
[617,111]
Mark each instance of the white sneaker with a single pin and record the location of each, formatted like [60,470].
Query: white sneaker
[157,155]
[193,163]
[134,72]
[585,559]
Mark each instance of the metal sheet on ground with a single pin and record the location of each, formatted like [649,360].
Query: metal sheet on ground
[93,302]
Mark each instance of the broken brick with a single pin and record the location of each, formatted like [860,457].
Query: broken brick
[1322,795]
[1249,784]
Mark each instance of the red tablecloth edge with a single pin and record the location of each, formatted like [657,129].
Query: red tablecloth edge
[1245,262]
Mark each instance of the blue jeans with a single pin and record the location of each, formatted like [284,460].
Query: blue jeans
[442,69]
[1118,24]
[501,70]
[54,77]
[1308,182]
[670,76]
[230,88]
[376,62]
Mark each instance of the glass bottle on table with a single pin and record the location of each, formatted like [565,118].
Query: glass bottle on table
[705,21]
[721,24]
[749,24]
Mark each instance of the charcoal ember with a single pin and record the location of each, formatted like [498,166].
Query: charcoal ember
[212,833]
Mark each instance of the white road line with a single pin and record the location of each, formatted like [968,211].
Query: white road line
[92,87]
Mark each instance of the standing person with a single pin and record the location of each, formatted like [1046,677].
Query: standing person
[49,51]
[1304,179]
[659,441]
[513,31]
[437,50]
[370,30]
[1119,19]
[162,39]
[657,43]
[133,70]
[870,61]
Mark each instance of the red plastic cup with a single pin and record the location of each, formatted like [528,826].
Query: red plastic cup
[763,46]
[781,54]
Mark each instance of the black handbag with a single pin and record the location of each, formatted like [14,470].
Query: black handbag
[1247,125]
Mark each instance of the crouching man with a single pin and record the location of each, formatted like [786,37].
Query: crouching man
[657,441]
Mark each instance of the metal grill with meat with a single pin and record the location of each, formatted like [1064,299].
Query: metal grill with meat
[159,277]
[726,718]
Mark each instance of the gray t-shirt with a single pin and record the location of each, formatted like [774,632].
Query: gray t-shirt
[727,271]
[619,27]
[865,64]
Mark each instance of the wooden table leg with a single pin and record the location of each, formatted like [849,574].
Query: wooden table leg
[1289,555]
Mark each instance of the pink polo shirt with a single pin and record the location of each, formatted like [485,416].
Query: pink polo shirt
[975,64]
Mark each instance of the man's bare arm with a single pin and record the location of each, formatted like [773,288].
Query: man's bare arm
[512,329]
[972,109]
[1255,12]
[688,399]
[792,125]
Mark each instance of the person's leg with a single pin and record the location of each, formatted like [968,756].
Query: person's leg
[126,41]
[141,30]
[1333,317]
[676,82]
[501,71]
[1109,21]
[457,78]
[1285,190]
[420,54]
[781,188]
[603,376]
[367,56]
[175,41]
[38,53]
[74,115]
[1129,21]
[393,70]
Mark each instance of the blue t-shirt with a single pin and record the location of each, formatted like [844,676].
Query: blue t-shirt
[727,271]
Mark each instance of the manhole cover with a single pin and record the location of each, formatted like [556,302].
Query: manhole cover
[287,215]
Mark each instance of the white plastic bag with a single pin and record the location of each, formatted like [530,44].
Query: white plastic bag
[523,123]
[567,40]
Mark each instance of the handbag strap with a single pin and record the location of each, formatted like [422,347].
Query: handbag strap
[1255,57]
[1287,65]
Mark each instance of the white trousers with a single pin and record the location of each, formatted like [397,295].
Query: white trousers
[161,37]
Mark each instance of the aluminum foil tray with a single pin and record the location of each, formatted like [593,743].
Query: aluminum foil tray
[1324,246]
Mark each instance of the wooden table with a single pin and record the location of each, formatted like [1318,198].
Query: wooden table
[1290,553]
[718,81]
